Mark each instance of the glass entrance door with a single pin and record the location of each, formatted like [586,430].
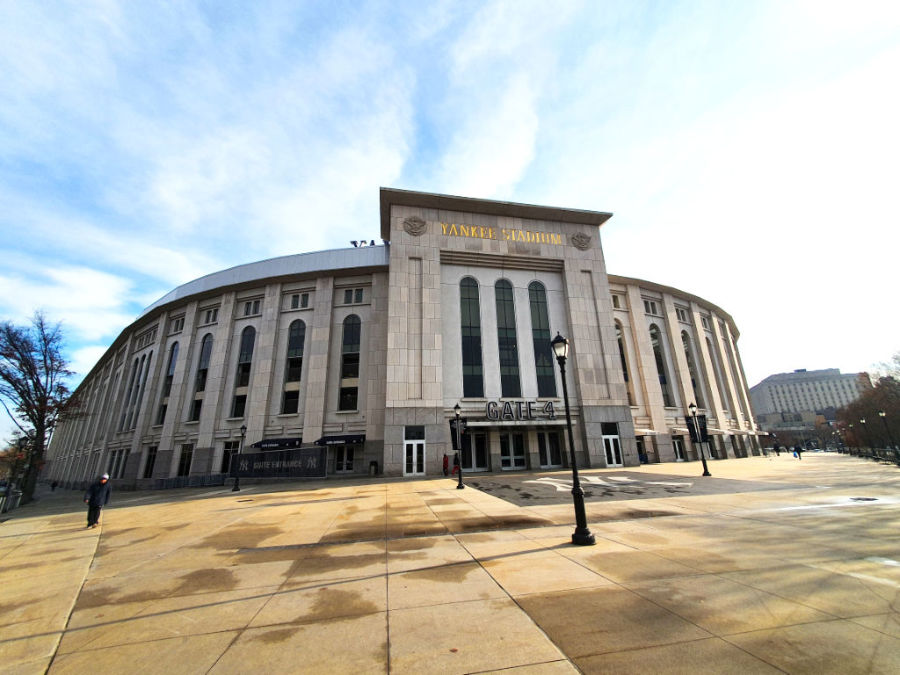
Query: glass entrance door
[678,445]
[414,458]
[512,451]
[550,449]
[343,458]
[613,450]
[477,460]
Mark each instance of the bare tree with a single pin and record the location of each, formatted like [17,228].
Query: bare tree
[32,388]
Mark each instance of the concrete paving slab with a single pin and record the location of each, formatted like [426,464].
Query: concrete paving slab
[290,573]
[453,638]
[825,647]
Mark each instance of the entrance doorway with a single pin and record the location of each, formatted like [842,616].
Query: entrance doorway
[612,446]
[678,446]
[512,451]
[550,449]
[414,451]
[343,458]
[477,460]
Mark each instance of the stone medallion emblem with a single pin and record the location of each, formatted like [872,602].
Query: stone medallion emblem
[581,241]
[414,225]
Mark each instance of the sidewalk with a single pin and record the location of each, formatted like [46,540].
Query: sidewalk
[418,577]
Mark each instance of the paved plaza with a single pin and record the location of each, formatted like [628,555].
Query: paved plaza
[773,565]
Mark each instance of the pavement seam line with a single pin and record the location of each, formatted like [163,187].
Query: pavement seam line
[75,600]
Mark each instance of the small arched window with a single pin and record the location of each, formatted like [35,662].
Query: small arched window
[470,329]
[170,369]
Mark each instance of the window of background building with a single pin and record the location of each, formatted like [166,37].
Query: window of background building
[507,344]
[540,336]
[350,346]
[470,324]
[290,402]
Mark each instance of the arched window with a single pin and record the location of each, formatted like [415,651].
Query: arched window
[245,356]
[290,399]
[170,370]
[661,368]
[203,364]
[692,369]
[621,340]
[350,346]
[470,324]
[167,384]
[296,338]
[540,336]
[242,377]
[724,394]
[507,345]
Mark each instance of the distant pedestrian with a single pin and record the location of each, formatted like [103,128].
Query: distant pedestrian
[446,465]
[96,497]
[798,452]
[777,450]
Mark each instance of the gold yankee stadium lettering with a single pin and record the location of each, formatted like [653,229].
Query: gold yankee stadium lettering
[480,232]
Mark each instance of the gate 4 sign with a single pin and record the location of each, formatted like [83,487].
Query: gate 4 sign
[518,410]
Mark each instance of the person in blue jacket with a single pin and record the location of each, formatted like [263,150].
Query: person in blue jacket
[96,497]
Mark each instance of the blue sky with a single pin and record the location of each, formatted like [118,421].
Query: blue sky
[748,150]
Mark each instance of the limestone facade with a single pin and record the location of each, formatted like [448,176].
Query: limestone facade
[389,348]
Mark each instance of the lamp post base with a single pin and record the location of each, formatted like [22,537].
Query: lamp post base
[583,537]
[237,486]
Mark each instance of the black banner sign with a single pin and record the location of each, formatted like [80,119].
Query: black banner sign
[301,463]
[278,443]
[701,422]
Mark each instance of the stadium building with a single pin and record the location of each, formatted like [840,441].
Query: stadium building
[352,361]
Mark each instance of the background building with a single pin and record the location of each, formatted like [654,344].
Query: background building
[364,353]
[796,406]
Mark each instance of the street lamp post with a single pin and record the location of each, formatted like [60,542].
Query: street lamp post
[864,431]
[237,477]
[459,484]
[887,429]
[693,408]
[850,447]
[582,535]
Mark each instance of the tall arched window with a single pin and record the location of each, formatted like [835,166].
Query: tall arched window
[470,324]
[290,399]
[167,384]
[507,344]
[696,384]
[242,377]
[245,356]
[540,336]
[661,368]
[350,345]
[296,338]
[203,364]
[621,340]
[724,394]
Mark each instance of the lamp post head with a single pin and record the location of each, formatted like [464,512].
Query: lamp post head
[693,408]
[881,413]
[560,347]
[862,420]
[243,429]
[456,408]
